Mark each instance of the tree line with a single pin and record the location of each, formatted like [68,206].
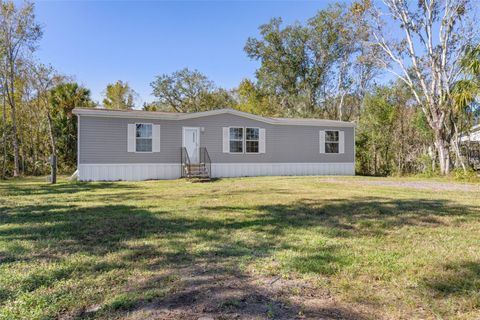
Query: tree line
[333,66]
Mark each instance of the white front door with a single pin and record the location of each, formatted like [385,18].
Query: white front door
[191,141]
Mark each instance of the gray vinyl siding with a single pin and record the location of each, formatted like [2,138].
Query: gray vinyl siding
[104,140]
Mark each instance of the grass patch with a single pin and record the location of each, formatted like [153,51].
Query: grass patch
[66,248]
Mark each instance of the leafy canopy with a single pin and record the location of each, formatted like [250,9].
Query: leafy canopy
[119,96]
[189,91]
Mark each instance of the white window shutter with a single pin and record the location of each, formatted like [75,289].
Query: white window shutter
[322,141]
[261,140]
[131,137]
[156,138]
[341,141]
[226,140]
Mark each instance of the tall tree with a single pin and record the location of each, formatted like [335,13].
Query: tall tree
[4,128]
[340,36]
[430,37]
[43,79]
[376,129]
[33,131]
[467,90]
[189,91]
[288,69]
[63,98]
[390,137]
[465,93]
[253,99]
[315,69]
[119,95]
[19,34]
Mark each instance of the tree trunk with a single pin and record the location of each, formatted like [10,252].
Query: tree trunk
[402,157]
[340,107]
[456,147]
[387,162]
[11,101]
[431,151]
[443,154]
[4,118]
[50,130]
[16,155]
[54,148]
[33,150]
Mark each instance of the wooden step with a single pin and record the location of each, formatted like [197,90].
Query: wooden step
[197,171]
[197,176]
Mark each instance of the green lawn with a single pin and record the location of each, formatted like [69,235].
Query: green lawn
[271,247]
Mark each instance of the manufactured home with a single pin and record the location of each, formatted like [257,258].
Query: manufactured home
[142,145]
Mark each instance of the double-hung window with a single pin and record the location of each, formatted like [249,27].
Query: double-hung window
[236,140]
[331,142]
[244,140]
[252,137]
[143,137]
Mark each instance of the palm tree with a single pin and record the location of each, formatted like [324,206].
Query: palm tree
[63,99]
[465,94]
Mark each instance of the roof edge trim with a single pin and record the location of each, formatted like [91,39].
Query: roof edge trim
[136,114]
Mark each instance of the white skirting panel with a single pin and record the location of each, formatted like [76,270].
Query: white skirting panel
[128,172]
[281,169]
[150,171]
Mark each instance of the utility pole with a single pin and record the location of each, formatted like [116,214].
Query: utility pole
[53,164]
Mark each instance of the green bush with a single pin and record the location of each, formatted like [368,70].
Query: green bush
[469,175]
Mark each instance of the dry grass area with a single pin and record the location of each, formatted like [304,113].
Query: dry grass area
[249,248]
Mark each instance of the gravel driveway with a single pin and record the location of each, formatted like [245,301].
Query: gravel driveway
[425,185]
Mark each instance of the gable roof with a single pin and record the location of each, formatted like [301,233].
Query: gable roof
[183,116]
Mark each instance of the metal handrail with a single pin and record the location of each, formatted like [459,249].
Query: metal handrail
[205,160]
[186,164]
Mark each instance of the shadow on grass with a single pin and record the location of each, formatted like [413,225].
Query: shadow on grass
[25,188]
[50,275]
[217,293]
[100,230]
[456,279]
[325,260]
[353,217]
[95,230]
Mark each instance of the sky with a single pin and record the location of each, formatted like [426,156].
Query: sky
[101,42]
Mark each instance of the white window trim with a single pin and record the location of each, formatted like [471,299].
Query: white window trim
[337,142]
[243,139]
[135,143]
[258,140]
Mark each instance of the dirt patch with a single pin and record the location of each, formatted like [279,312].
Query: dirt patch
[425,185]
[221,294]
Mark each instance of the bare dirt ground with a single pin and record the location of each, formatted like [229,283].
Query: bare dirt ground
[425,185]
[215,293]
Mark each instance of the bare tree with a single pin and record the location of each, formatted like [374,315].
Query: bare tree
[434,35]
[4,135]
[43,80]
[19,34]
